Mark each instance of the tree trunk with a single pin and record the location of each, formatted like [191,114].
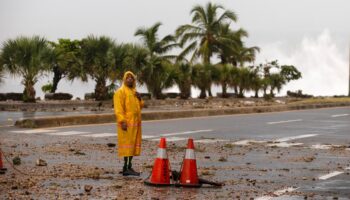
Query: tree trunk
[101,91]
[241,93]
[29,91]
[256,94]
[265,91]
[209,92]
[57,76]
[202,95]
[155,92]
[236,89]
[159,95]
[224,90]
[185,91]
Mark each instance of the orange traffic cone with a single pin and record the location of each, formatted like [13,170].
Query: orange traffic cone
[188,173]
[160,175]
[2,169]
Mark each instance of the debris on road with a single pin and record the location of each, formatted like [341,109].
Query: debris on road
[111,144]
[88,188]
[73,165]
[16,160]
[41,162]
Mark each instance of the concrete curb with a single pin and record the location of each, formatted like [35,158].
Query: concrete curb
[45,122]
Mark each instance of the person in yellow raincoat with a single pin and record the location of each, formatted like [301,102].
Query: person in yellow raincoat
[127,107]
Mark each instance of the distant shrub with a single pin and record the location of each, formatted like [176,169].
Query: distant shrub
[89,96]
[268,97]
[58,96]
[2,97]
[14,96]
[46,88]
[340,96]
[298,94]
[228,95]
[172,95]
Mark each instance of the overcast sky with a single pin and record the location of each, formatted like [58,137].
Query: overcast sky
[309,34]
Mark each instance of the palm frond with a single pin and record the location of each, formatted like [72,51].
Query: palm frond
[199,15]
[228,15]
[187,50]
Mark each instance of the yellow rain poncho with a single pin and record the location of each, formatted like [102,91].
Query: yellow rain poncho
[127,108]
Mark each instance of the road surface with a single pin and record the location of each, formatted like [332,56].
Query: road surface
[322,135]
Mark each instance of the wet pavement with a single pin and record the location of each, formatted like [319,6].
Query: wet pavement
[289,155]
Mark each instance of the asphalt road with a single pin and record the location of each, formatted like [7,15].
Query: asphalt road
[313,130]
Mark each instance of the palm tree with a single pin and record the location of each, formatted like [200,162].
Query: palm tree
[236,53]
[156,73]
[204,32]
[224,77]
[256,80]
[229,53]
[244,80]
[98,62]
[26,57]
[128,57]
[183,78]
[266,81]
[2,71]
[202,78]
[246,54]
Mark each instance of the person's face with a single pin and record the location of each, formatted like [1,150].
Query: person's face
[129,80]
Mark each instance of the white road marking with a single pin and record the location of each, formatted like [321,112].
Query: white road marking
[321,146]
[179,133]
[284,144]
[34,131]
[348,168]
[295,137]
[330,175]
[283,191]
[287,121]
[277,193]
[186,132]
[327,146]
[112,135]
[147,136]
[206,141]
[68,133]
[248,142]
[172,139]
[100,135]
[340,115]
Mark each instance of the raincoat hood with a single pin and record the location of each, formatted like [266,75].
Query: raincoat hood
[133,75]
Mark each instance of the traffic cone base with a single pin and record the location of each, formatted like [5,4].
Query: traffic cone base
[188,185]
[160,175]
